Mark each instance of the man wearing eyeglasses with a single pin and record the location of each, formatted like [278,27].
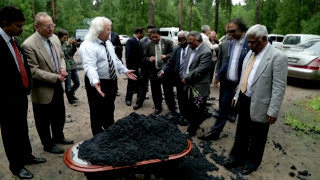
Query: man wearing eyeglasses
[48,69]
[229,75]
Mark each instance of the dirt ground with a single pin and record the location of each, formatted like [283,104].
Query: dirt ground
[285,149]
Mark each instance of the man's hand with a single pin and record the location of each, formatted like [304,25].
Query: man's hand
[130,74]
[184,81]
[61,78]
[216,80]
[163,56]
[272,120]
[233,102]
[98,88]
[160,74]
[63,72]
[152,59]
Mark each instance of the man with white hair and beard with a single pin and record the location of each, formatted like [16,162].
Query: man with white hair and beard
[100,65]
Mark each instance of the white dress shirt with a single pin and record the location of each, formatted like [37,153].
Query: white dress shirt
[254,70]
[95,61]
[233,70]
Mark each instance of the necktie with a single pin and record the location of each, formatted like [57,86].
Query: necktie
[111,65]
[23,71]
[244,82]
[54,55]
[159,62]
[182,61]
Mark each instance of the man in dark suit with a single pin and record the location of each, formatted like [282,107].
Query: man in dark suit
[48,68]
[14,100]
[229,75]
[260,94]
[174,69]
[134,57]
[196,78]
[115,40]
[158,51]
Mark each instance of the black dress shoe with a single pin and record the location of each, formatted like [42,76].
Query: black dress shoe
[183,122]
[33,160]
[209,136]
[118,94]
[54,149]
[247,170]
[157,111]
[232,164]
[128,103]
[137,106]
[63,141]
[24,174]
[232,119]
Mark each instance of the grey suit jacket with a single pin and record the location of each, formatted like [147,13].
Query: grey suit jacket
[269,84]
[42,70]
[199,69]
[223,54]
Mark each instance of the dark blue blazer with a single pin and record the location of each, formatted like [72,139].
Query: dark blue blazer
[12,90]
[134,54]
[172,67]
[222,75]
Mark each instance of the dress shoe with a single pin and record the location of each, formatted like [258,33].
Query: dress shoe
[232,119]
[128,103]
[33,160]
[183,122]
[118,94]
[63,141]
[247,170]
[137,106]
[24,174]
[75,98]
[192,131]
[54,149]
[157,111]
[210,136]
[232,163]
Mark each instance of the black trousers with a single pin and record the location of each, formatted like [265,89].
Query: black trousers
[132,86]
[50,118]
[182,97]
[14,131]
[251,136]
[101,108]
[143,85]
[156,91]
[226,94]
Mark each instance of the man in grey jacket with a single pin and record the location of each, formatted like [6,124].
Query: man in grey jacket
[260,94]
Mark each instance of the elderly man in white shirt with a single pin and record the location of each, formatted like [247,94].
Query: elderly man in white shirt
[100,65]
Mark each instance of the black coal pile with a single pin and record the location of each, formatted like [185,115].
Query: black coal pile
[133,139]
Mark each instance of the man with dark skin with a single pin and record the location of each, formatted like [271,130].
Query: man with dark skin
[14,94]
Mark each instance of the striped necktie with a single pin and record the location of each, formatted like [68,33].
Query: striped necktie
[54,56]
[111,65]
[182,61]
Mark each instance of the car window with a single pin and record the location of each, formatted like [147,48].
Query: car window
[292,40]
[280,39]
[315,47]
[164,33]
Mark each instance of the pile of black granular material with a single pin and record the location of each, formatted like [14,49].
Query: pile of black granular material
[133,139]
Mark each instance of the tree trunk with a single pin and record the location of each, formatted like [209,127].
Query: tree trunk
[216,21]
[315,6]
[151,13]
[180,14]
[258,12]
[190,20]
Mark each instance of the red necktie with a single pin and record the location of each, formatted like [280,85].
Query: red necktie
[23,71]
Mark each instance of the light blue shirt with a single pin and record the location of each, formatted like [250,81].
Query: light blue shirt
[95,62]
[193,53]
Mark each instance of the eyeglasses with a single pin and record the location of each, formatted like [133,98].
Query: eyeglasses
[232,31]
[182,42]
[252,42]
[48,26]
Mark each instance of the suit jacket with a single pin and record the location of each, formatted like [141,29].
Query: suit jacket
[223,54]
[134,54]
[166,47]
[43,74]
[14,91]
[198,76]
[172,67]
[222,75]
[269,84]
[116,42]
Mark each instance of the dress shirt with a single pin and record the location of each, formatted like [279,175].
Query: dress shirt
[46,45]
[193,53]
[7,39]
[206,41]
[233,69]
[95,61]
[254,69]
[182,50]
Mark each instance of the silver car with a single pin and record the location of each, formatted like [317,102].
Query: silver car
[304,60]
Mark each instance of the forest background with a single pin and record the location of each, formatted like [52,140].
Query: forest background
[279,16]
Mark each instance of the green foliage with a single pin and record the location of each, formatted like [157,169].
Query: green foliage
[312,26]
[315,103]
[298,125]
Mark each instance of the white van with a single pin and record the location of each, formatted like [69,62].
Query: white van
[291,40]
[170,33]
[276,40]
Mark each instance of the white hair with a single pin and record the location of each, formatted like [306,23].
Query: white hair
[184,33]
[205,28]
[39,15]
[258,30]
[96,27]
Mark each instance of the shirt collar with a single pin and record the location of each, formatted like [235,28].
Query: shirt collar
[136,38]
[5,36]
[42,38]
[198,47]
[264,50]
